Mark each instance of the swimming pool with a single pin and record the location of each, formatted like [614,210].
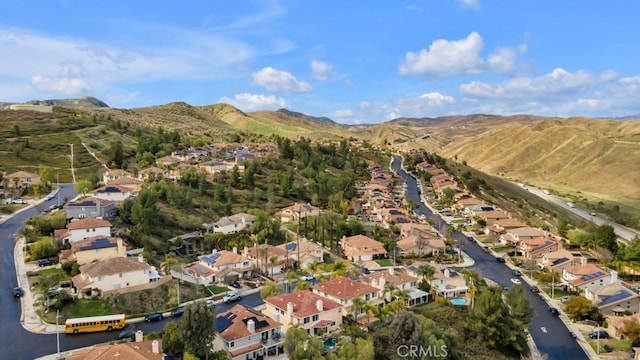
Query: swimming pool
[330,343]
[458,301]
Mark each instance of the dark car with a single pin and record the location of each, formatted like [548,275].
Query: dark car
[179,311]
[18,292]
[235,284]
[554,311]
[153,317]
[127,334]
[601,334]
[500,260]
[366,271]
[46,262]
[517,272]
[535,289]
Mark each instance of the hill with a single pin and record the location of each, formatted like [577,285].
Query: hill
[85,102]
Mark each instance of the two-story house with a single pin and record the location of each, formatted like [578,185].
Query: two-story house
[312,312]
[557,261]
[83,228]
[303,252]
[112,274]
[115,193]
[401,280]
[421,243]
[21,179]
[534,248]
[263,256]
[136,350]
[298,211]
[448,282]
[360,248]
[513,237]
[246,334]
[231,224]
[114,174]
[221,266]
[581,276]
[614,299]
[90,208]
[94,249]
[343,290]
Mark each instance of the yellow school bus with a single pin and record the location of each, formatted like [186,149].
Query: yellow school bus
[94,323]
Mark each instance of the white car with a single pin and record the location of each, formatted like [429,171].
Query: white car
[564,299]
[50,197]
[307,277]
[231,297]
[516,281]
[19,201]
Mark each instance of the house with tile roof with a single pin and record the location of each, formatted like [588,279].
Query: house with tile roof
[312,312]
[560,259]
[114,174]
[138,350]
[514,236]
[533,248]
[21,179]
[221,266]
[231,224]
[343,290]
[115,193]
[420,239]
[94,248]
[448,282]
[244,333]
[401,279]
[614,298]
[298,211]
[113,274]
[152,173]
[90,208]
[501,226]
[262,255]
[361,248]
[167,161]
[303,252]
[83,228]
[581,276]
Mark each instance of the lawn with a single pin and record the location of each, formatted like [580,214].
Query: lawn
[215,289]
[81,308]
[557,293]
[483,239]
[385,262]
[611,345]
[458,221]
[502,248]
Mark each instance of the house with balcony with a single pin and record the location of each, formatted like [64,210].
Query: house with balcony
[560,259]
[513,237]
[94,248]
[318,315]
[90,208]
[246,334]
[298,211]
[83,228]
[582,276]
[401,280]
[115,193]
[303,252]
[501,226]
[231,224]
[221,267]
[269,259]
[614,299]
[359,248]
[420,240]
[113,274]
[343,290]
[448,282]
[534,248]
[21,179]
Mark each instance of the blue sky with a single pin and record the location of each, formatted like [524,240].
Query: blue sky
[353,61]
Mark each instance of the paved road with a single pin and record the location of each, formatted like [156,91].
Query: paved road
[556,342]
[621,231]
[18,343]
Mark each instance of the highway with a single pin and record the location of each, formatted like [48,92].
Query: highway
[550,334]
[16,343]
[622,232]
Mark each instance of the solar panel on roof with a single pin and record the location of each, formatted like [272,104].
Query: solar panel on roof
[100,243]
[559,261]
[222,323]
[291,246]
[592,276]
[546,243]
[617,296]
[211,258]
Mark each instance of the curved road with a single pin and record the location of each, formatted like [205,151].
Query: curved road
[621,231]
[18,343]
[554,340]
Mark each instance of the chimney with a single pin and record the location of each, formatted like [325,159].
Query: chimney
[251,326]
[614,276]
[245,252]
[140,259]
[319,305]
[382,282]
[392,271]
[235,250]
[584,260]
[139,336]
[290,308]
[155,347]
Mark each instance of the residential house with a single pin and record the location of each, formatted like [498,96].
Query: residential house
[112,274]
[361,248]
[128,182]
[582,276]
[465,201]
[343,290]
[614,299]
[477,210]
[536,247]
[490,217]
[263,255]
[303,252]
[231,224]
[419,239]
[152,173]
[244,333]
[21,179]
[138,350]
[94,248]
[448,283]
[298,211]
[616,327]
[111,175]
[401,280]
[221,266]
[312,312]
[217,166]
[115,193]
[90,208]
[84,228]
[167,161]
[560,259]
[395,215]
[501,226]
[514,236]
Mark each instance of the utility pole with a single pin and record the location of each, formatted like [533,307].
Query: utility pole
[178,291]
[57,333]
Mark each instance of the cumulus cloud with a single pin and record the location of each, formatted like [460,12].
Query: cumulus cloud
[320,70]
[279,81]
[343,113]
[446,57]
[255,102]
[434,99]
[62,86]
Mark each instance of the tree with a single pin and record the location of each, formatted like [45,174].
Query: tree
[357,304]
[170,261]
[520,315]
[46,174]
[270,289]
[631,330]
[289,277]
[302,285]
[116,153]
[487,320]
[172,343]
[198,329]
[388,291]
[338,268]
[426,272]
[83,186]
[298,345]
[360,349]
[405,329]
[273,260]
[578,307]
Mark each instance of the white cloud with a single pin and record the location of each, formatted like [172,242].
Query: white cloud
[446,57]
[320,70]
[344,113]
[254,102]
[470,4]
[502,61]
[62,86]
[279,81]
[434,99]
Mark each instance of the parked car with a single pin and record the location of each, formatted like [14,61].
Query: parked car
[564,299]
[209,303]
[179,311]
[366,271]
[517,272]
[235,283]
[153,317]
[554,311]
[535,289]
[127,335]
[501,260]
[231,297]
[46,262]
[516,281]
[50,197]
[601,334]
[18,292]
[307,277]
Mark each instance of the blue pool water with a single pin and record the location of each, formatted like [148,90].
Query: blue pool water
[330,343]
[458,301]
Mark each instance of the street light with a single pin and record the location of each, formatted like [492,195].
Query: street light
[58,333]
[597,335]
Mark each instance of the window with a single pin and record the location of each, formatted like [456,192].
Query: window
[307,319]
[121,275]
[232,344]
[315,317]
[367,297]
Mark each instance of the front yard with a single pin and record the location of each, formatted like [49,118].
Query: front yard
[385,262]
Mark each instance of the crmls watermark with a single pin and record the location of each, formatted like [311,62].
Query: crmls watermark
[420,351]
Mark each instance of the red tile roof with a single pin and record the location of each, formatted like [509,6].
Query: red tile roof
[88,223]
[305,303]
[239,316]
[344,288]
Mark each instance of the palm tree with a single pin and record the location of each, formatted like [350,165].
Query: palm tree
[370,309]
[389,289]
[273,260]
[357,304]
[402,295]
[170,261]
[314,268]
[338,268]
[302,285]
[426,272]
[470,279]
[289,276]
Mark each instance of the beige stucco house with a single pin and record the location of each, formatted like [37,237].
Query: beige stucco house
[113,274]
[312,312]
[95,248]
